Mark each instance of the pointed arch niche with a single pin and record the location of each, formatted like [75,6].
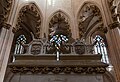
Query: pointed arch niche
[27,28]
[59,24]
[89,20]
[92,29]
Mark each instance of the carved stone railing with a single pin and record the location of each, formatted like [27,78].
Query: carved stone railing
[43,46]
[40,58]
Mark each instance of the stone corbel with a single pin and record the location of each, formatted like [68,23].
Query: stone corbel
[114,25]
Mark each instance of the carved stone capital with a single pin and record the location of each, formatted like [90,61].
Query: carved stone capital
[114,25]
[5,25]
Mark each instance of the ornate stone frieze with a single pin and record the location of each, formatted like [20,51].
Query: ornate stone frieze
[59,69]
[114,25]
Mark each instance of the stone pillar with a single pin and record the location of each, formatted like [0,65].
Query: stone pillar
[6,37]
[112,36]
[114,45]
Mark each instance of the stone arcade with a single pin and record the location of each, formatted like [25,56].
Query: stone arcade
[59,40]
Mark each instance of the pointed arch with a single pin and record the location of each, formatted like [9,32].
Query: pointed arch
[29,19]
[28,24]
[89,19]
[64,22]
[63,12]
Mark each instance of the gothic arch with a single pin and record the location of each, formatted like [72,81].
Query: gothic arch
[63,17]
[90,19]
[29,19]
[28,24]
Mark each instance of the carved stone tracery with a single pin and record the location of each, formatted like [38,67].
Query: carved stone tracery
[59,24]
[89,17]
[29,18]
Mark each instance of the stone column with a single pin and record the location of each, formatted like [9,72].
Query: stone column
[114,45]
[112,36]
[5,46]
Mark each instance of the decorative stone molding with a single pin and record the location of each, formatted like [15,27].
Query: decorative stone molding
[47,64]
[114,15]
[5,25]
[43,46]
[102,29]
[59,23]
[114,25]
[14,30]
[59,69]
[88,13]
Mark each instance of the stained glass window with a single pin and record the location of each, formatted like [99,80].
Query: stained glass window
[100,48]
[18,47]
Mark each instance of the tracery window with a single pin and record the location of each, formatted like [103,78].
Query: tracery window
[58,39]
[100,48]
[18,47]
